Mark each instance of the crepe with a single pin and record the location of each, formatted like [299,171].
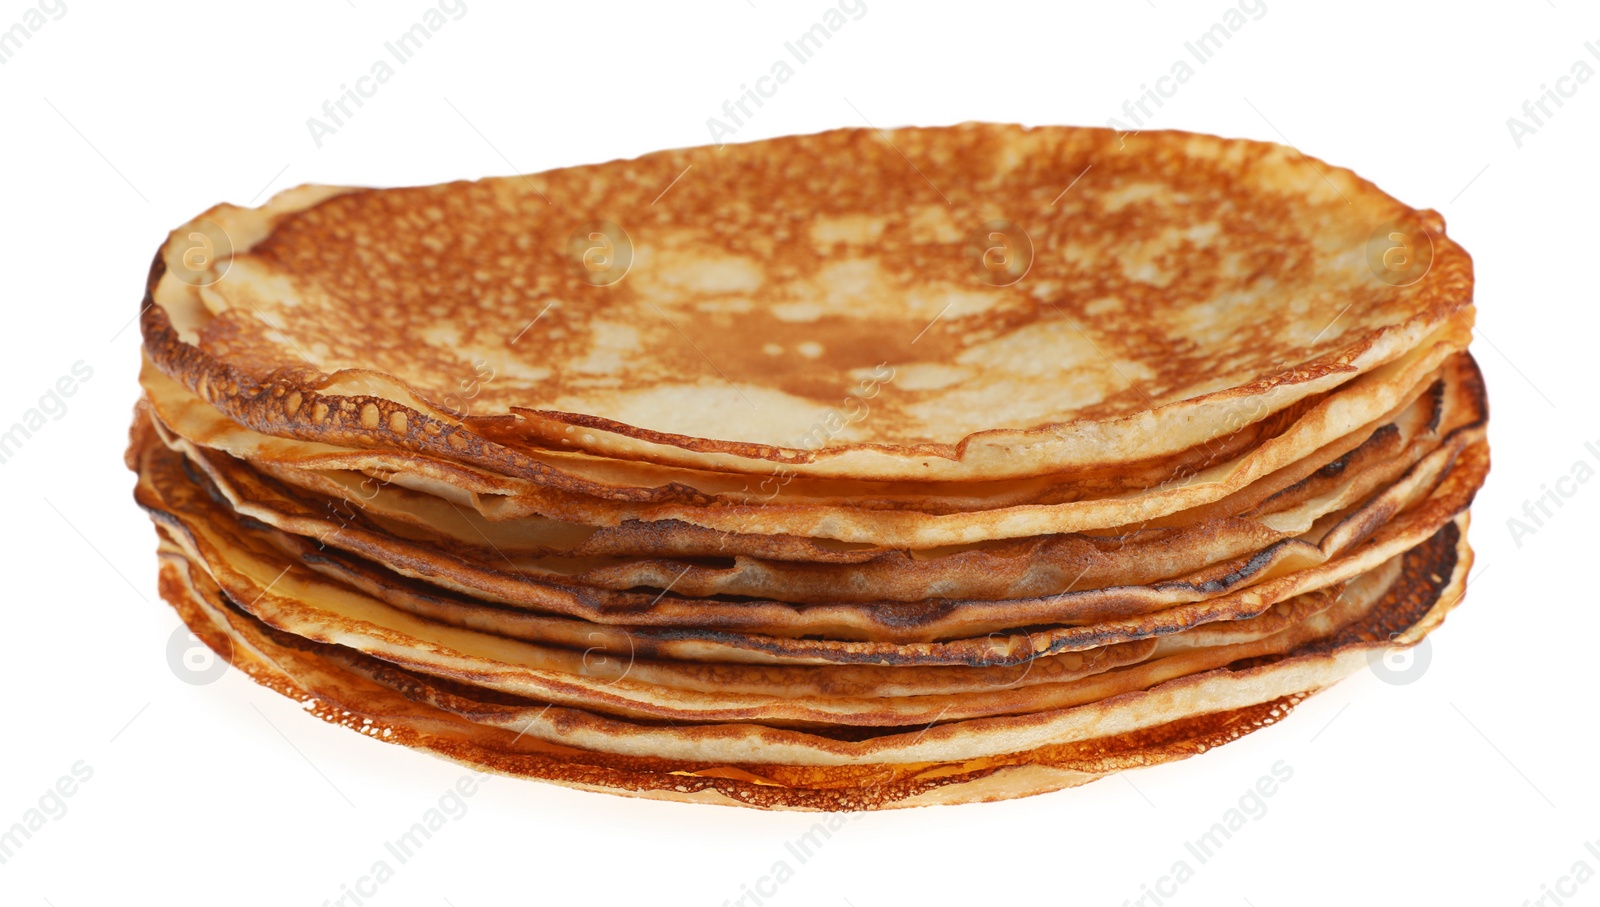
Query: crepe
[538,489]
[1424,592]
[1148,329]
[401,528]
[851,471]
[1397,519]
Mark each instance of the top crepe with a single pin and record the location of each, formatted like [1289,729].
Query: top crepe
[968,303]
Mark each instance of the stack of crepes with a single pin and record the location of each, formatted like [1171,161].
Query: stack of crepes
[848,471]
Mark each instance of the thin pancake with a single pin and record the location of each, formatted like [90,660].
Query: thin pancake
[1452,414]
[785,697]
[897,631]
[643,688]
[455,499]
[358,703]
[834,745]
[297,601]
[1337,422]
[1214,332]
[295,669]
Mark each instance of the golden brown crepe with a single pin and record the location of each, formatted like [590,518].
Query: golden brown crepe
[819,481]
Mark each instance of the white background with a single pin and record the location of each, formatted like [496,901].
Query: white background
[1473,785]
